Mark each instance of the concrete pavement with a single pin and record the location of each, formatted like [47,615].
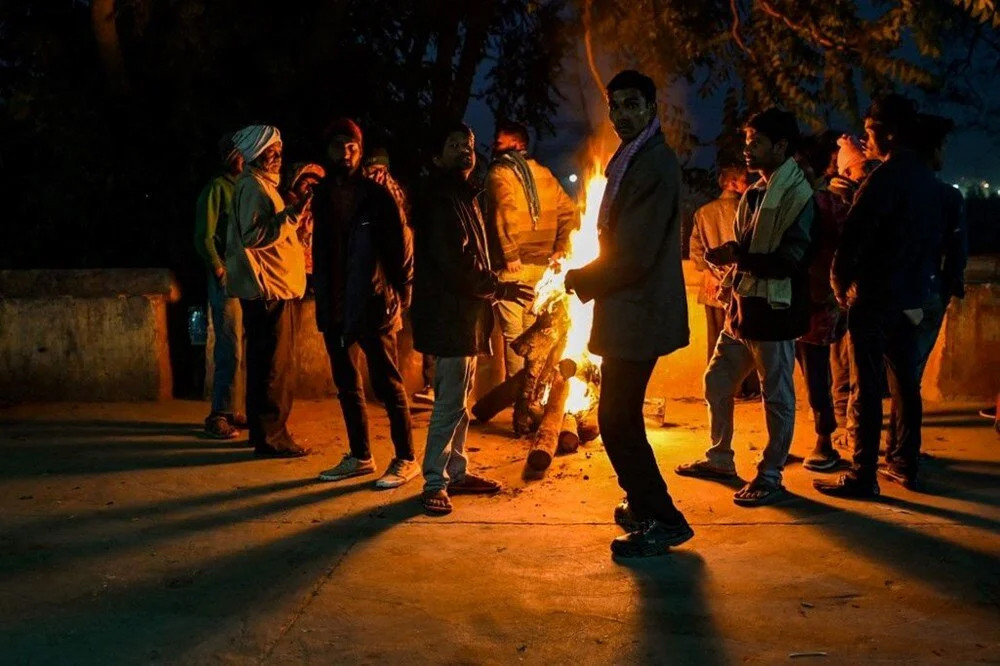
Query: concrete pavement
[127,538]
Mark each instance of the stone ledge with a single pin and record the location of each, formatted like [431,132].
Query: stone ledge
[89,283]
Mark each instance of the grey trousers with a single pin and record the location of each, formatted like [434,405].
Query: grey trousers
[444,454]
[515,318]
[774,363]
[228,380]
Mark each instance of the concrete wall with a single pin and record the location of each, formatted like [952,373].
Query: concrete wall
[85,335]
[965,363]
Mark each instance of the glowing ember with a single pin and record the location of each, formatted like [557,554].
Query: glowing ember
[583,248]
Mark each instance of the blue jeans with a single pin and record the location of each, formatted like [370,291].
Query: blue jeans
[228,386]
[444,455]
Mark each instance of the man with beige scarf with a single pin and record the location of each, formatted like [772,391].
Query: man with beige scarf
[767,279]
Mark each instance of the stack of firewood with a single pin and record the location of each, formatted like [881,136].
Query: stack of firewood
[539,390]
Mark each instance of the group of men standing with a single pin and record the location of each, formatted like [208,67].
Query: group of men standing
[838,247]
[455,259]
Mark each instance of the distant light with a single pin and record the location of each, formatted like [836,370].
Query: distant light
[572,178]
[955,185]
[986,185]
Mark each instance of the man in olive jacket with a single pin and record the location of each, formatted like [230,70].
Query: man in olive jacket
[640,310]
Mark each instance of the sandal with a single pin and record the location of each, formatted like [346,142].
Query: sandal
[436,503]
[703,469]
[758,493]
[472,484]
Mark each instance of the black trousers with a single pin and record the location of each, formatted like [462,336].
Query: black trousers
[383,370]
[886,341]
[619,414]
[269,329]
[815,363]
[715,321]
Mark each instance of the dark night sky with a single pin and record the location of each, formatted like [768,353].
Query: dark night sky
[972,154]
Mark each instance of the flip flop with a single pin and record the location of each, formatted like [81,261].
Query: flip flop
[472,484]
[702,469]
[436,503]
[765,493]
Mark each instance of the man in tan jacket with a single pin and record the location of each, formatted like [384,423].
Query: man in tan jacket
[529,218]
[713,226]
[265,267]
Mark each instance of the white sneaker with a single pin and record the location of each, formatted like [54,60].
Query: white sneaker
[348,467]
[400,471]
[425,395]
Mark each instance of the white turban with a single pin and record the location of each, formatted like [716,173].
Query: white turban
[254,139]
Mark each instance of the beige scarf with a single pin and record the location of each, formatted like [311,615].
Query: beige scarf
[786,193]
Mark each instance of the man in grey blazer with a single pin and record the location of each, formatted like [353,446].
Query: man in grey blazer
[640,310]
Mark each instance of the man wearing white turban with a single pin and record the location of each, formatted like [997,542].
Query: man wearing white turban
[266,270]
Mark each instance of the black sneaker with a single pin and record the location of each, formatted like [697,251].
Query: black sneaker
[896,475]
[656,539]
[627,520]
[217,426]
[237,420]
[849,486]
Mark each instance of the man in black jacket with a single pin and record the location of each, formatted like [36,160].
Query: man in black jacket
[363,267]
[640,310]
[882,272]
[769,306]
[454,291]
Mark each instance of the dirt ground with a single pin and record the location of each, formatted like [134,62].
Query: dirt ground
[129,538]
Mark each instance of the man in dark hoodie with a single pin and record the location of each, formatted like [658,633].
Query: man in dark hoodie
[455,288]
[363,268]
[640,310]
[947,282]
[882,272]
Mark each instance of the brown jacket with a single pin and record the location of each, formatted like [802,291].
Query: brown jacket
[713,226]
[640,307]
[512,235]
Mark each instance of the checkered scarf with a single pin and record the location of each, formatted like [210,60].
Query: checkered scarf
[615,171]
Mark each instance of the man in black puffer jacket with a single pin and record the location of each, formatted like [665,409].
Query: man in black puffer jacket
[363,268]
[454,291]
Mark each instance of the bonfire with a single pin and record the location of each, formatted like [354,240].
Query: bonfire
[555,394]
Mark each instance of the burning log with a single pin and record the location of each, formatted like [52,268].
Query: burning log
[586,426]
[499,398]
[538,345]
[569,439]
[547,438]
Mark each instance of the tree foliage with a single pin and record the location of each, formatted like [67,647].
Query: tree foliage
[110,110]
[819,59]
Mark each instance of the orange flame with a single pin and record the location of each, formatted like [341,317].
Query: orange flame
[583,249]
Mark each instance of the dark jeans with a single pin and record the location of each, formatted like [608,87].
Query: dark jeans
[926,336]
[619,414]
[715,321]
[844,404]
[815,363]
[885,340]
[383,371]
[269,329]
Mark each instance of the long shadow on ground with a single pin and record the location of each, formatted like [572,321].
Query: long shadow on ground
[166,620]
